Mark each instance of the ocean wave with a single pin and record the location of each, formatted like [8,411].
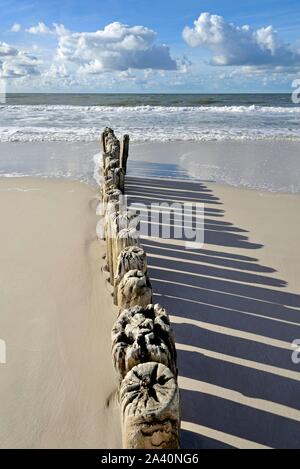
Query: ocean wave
[151,109]
[22,135]
[69,123]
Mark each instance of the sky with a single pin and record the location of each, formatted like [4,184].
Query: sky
[166,46]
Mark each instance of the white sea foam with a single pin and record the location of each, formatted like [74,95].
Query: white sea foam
[51,123]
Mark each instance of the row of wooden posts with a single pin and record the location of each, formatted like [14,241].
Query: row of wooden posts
[143,345]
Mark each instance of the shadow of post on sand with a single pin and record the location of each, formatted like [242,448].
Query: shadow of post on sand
[233,320]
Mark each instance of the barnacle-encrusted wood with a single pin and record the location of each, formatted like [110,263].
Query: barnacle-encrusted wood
[150,408]
[134,290]
[141,335]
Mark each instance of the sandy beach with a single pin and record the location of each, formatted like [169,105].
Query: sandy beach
[56,318]
[235,309]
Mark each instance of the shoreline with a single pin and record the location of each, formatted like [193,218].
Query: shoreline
[260,165]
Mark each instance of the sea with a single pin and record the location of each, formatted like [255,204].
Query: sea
[243,140]
[149,117]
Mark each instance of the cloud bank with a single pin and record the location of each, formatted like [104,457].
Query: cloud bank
[16,63]
[240,45]
[118,47]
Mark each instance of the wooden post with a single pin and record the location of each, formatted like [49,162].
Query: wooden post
[143,344]
[124,153]
[110,164]
[110,216]
[150,408]
[126,237]
[143,334]
[130,258]
[103,142]
[134,290]
[112,194]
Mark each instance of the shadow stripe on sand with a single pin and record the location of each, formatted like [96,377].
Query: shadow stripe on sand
[231,440]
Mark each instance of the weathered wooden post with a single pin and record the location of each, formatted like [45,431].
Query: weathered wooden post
[134,290]
[118,177]
[124,153]
[143,344]
[112,194]
[110,215]
[111,143]
[150,408]
[103,142]
[125,237]
[143,334]
[130,258]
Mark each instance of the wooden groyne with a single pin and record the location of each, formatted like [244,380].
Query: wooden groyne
[143,344]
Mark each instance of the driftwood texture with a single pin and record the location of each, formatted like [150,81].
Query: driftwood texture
[134,290]
[111,150]
[125,238]
[150,408]
[130,258]
[110,143]
[112,194]
[119,238]
[124,152]
[110,214]
[143,334]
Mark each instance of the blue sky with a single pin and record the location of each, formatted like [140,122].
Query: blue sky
[150,45]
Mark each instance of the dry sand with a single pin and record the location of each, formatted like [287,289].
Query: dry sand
[56,317]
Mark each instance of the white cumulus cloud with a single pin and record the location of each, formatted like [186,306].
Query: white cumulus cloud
[117,47]
[240,45]
[40,28]
[16,63]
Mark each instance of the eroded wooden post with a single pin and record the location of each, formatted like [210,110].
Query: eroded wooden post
[103,142]
[143,344]
[143,334]
[125,237]
[150,408]
[111,214]
[124,153]
[134,290]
